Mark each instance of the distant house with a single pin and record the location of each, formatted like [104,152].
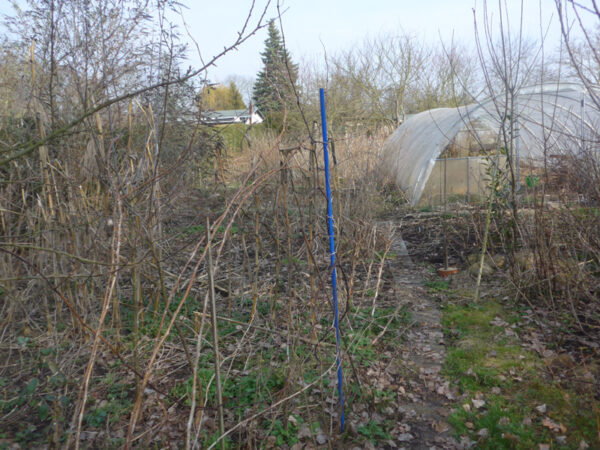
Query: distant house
[230,116]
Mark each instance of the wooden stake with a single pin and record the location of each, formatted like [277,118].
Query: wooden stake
[213,311]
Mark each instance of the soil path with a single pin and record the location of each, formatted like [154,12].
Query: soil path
[424,405]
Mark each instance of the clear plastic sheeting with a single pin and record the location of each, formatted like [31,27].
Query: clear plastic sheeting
[550,120]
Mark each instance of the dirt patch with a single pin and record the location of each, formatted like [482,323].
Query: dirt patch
[425,396]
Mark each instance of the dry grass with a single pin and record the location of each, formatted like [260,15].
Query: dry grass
[105,284]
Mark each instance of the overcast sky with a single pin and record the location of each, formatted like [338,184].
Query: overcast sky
[312,25]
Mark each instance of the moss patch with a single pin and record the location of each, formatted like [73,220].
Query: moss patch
[507,399]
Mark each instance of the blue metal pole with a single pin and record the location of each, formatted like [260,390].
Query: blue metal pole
[332,253]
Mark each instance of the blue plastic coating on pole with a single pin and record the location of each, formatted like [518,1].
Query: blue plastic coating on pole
[332,253]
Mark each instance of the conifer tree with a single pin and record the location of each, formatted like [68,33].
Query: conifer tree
[235,97]
[274,83]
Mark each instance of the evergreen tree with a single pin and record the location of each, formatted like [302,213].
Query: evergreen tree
[274,83]
[235,97]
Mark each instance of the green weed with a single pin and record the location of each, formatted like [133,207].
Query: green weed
[117,404]
[375,432]
[284,434]
[437,285]
[238,394]
[193,229]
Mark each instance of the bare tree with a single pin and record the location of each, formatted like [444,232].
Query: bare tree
[91,169]
[582,43]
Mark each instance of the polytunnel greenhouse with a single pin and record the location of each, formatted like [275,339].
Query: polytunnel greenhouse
[448,151]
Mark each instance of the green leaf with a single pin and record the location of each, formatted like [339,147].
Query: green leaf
[31,386]
[43,411]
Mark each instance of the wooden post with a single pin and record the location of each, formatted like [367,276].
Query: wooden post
[213,310]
